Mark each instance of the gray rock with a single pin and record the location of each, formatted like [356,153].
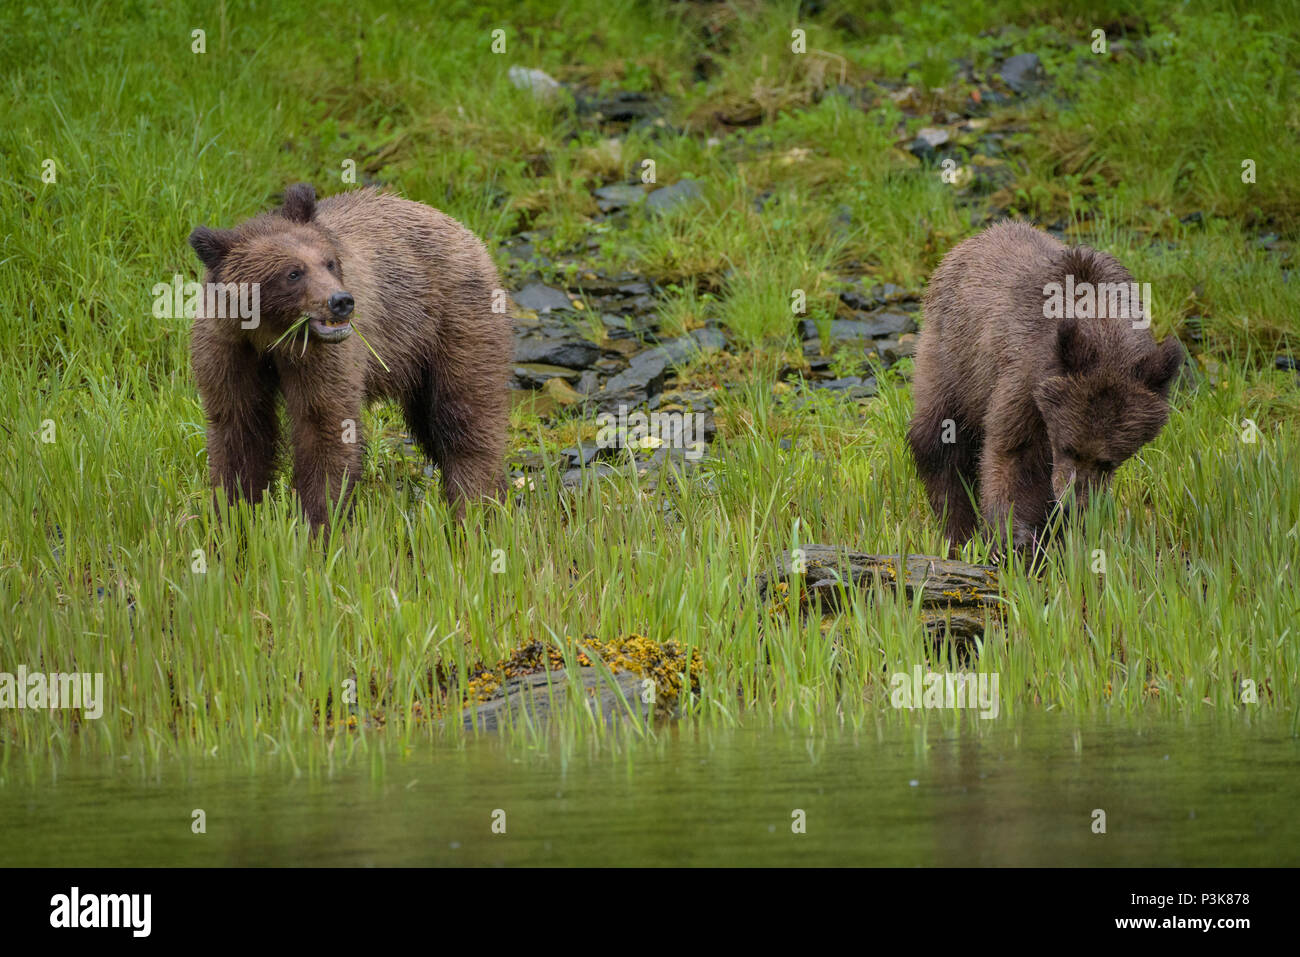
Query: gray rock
[859,300]
[581,455]
[670,197]
[870,327]
[588,382]
[710,339]
[679,351]
[570,353]
[622,106]
[839,384]
[534,375]
[541,84]
[891,350]
[579,475]
[619,196]
[932,136]
[928,143]
[640,381]
[542,298]
[1023,72]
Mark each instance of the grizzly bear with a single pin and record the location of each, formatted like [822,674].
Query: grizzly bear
[417,289]
[1026,401]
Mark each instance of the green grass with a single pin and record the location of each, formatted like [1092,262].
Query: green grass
[99,528]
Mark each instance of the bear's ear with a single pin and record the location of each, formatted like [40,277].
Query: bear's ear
[1050,395]
[212,245]
[299,203]
[1073,348]
[1157,369]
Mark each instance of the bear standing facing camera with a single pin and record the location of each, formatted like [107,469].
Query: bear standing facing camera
[1036,377]
[361,296]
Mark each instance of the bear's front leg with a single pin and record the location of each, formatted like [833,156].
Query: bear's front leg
[324,406]
[1015,469]
[239,389]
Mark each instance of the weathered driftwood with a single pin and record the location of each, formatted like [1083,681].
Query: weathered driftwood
[532,698]
[956,598]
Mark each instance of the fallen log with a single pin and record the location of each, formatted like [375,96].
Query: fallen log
[956,599]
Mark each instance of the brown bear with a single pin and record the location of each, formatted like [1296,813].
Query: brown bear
[413,283]
[1035,377]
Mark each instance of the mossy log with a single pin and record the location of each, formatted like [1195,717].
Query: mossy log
[532,699]
[957,599]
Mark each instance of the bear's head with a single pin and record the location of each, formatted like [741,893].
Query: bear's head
[1099,413]
[293,260]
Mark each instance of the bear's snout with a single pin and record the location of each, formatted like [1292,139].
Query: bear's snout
[341,304]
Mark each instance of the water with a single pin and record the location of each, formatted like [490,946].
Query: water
[1173,795]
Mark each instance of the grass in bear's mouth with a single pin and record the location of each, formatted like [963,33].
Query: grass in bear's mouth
[301,323]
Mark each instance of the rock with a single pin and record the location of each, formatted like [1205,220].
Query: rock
[581,455]
[641,380]
[534,375]
[542,298]
[955,598]
[560,390]
[1023,73]
[571,353]
[622,106]
[888,292]
[619,196]
[679,351]
[670,197]
[928,142]
[839,384]
[541,84]
[710,339]
[695,400]
[588,382]
[860,301]
[1287,363]
[871,327]
[891,350]
[596,470]
[529,461]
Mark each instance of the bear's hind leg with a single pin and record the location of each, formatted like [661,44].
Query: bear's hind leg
[463,432]
[947,456]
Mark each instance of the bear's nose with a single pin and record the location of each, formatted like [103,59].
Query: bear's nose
[341,304]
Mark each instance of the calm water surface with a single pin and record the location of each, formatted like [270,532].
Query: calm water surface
[1173,794]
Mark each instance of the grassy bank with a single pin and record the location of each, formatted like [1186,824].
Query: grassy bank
[805,180]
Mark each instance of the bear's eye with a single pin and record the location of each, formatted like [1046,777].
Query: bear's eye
[330,265]
[295,275]
[1105,465]
[1070,453]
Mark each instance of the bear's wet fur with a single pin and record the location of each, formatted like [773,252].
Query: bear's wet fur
[1019,412]
[418,286]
